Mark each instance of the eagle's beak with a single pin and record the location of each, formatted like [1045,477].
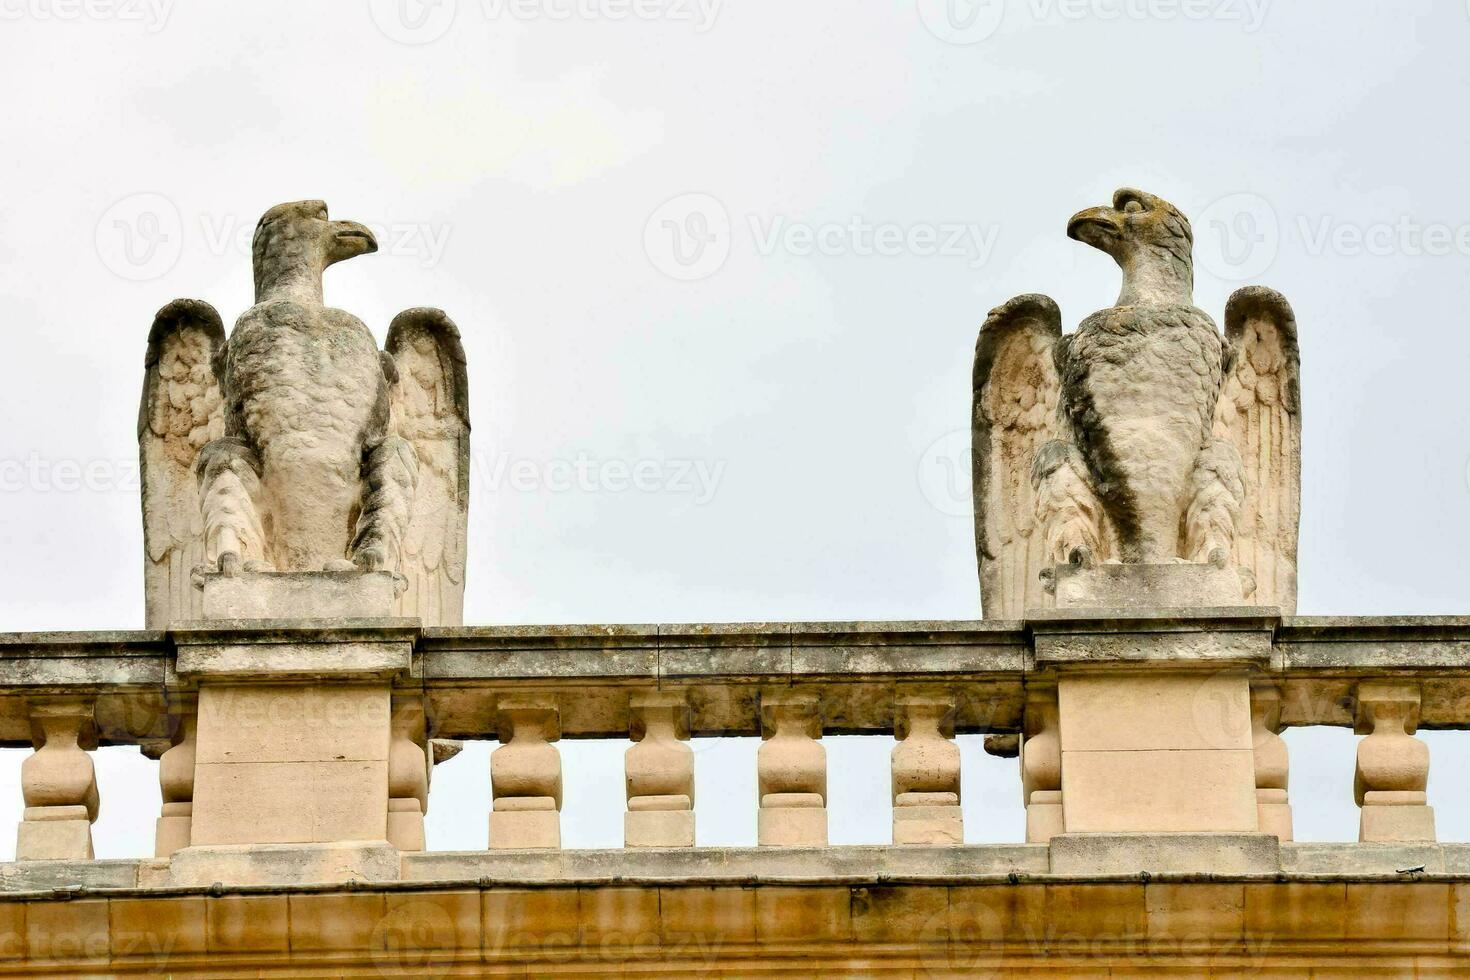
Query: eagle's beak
[1102,228]
[349,239]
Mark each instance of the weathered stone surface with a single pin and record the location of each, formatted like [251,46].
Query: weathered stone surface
[297,595]
[1085,854]
[1138,586]
[285,864]
[319,467]
[726,863]
[1136,435]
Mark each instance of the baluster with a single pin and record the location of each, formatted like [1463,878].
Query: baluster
[926,772]
[1273,812]
[659,772]
[59,783]
[525,775]
[792,770]
[1041,766]
[1393,766]
[408,774]
[176,781]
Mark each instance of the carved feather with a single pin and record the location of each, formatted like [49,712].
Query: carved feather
[430,406]
[1014,413]
[181,411]
[1259,410]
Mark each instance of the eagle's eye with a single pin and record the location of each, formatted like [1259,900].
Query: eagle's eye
[1134,206]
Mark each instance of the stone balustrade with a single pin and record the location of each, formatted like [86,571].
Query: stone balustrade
[790,684]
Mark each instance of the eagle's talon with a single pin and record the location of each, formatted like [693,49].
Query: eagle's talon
[371,560]
[230,563]
[1081,556]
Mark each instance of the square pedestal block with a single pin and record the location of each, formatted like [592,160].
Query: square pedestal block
[658,828]
[928,825]
[1144,752]
[1170,586]
[516,829]
[298,595]
[1044,818]
[291,764]
[54,840]
[793,826]
[1394,824]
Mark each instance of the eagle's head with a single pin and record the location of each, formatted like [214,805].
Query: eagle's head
[294,242]
[1151,241]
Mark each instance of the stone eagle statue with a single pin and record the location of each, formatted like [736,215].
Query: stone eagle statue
[296,445]
[1143,437]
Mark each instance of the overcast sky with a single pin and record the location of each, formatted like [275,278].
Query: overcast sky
[719,268]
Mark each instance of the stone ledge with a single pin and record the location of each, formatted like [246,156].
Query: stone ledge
[734,863]
[1089,855]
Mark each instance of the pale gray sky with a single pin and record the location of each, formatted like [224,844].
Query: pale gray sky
[719,268]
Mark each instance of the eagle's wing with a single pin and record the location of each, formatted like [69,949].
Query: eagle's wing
[431,409]
[1013,415]
[181,410]
[1259,410]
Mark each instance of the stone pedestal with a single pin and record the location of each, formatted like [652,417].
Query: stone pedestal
[1172,586]
[1153,717]
[295,732]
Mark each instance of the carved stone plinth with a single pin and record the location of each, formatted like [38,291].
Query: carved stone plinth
[1153,718]
[659,773]
[59,783]
[525,775]
[1392,773]
[296,742]
[1140,586]
[926,773]
[792,771]
[298,595]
